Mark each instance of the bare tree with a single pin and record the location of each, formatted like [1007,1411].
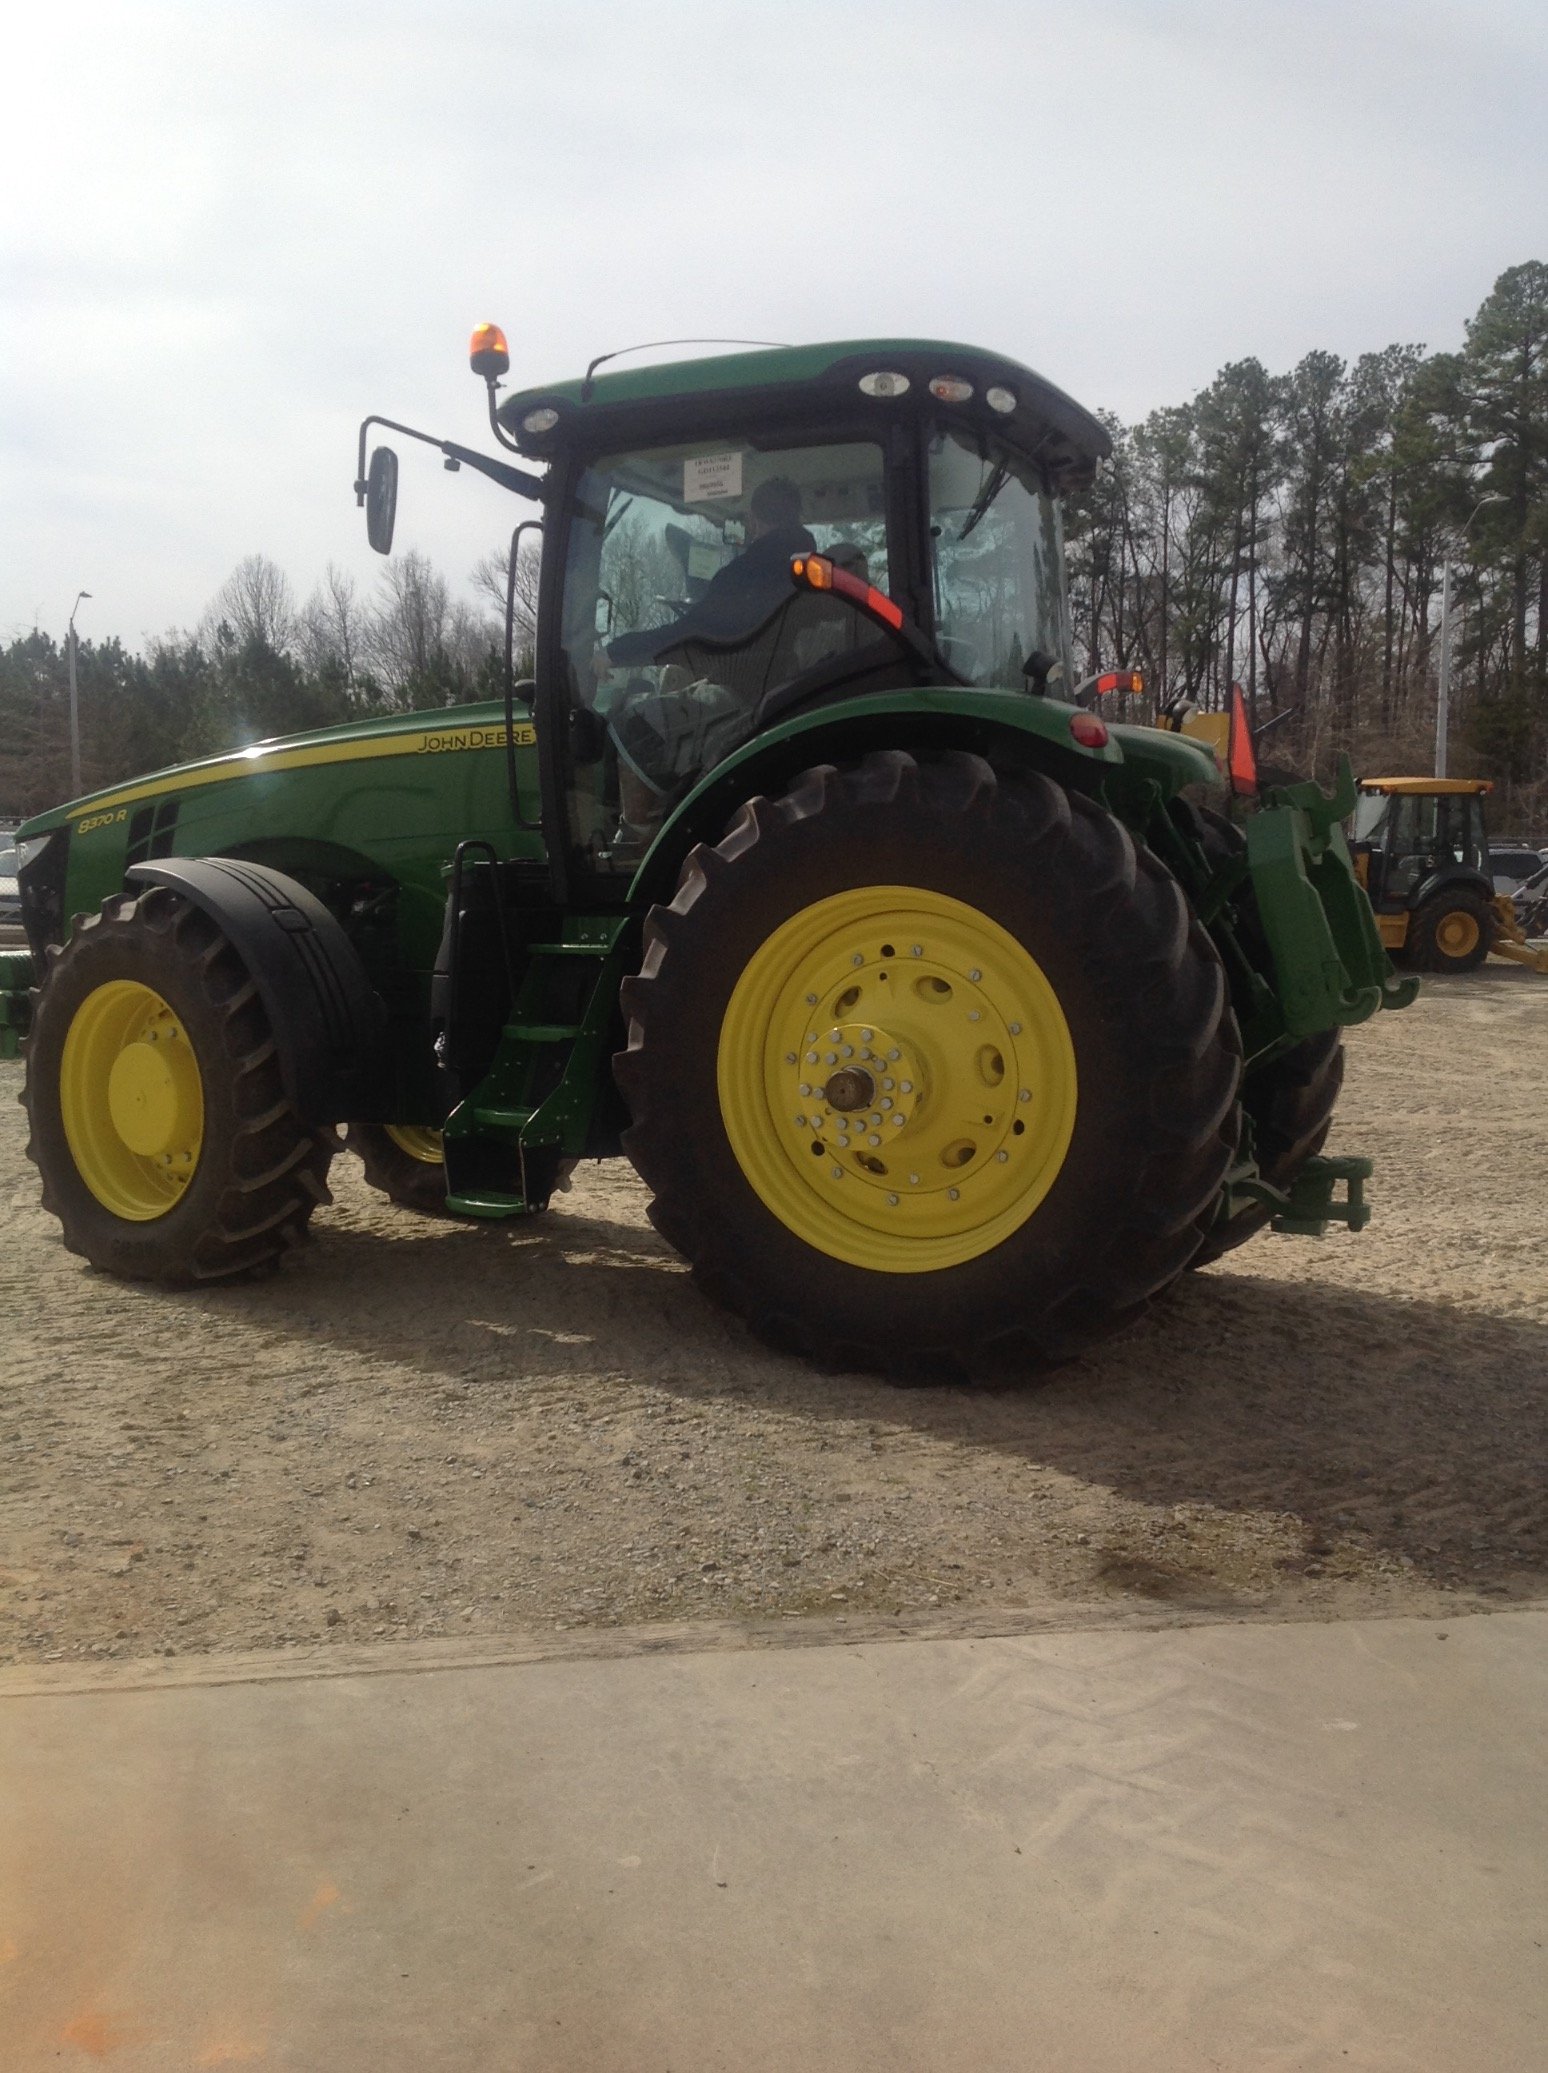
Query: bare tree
[408,630]
[332,628]
[257,605]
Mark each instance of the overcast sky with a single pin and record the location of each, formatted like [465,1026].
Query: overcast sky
[229,231]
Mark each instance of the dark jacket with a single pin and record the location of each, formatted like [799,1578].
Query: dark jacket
[734,604]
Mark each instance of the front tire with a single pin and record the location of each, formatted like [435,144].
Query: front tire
[404,1162]
[159,1123]
[1053,1025]
[1450,933]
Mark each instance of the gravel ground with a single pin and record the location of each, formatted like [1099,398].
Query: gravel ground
[425,1429]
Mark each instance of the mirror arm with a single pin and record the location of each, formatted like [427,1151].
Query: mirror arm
[516,479]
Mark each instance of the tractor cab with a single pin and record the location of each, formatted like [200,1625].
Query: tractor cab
[1421,851]
[731,543]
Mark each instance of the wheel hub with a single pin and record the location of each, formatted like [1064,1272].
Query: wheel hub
[132,1100]
[919,1078]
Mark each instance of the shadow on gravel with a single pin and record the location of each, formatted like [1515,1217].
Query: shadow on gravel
[1417,1428]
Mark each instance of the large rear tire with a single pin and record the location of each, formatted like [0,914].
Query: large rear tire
[159,1123]
[998,965]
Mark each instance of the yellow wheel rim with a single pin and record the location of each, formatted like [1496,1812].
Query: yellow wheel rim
[897,1079]
[1457,934]
[419,1141]
[131,1099]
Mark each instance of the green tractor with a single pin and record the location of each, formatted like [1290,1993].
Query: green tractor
[938,1014]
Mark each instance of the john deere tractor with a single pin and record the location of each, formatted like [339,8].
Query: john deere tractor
[937,1013]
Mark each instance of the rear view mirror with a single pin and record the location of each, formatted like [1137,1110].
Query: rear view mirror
[382,498]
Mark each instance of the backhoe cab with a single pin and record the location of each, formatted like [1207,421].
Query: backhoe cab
[1421,850]
[937,1012]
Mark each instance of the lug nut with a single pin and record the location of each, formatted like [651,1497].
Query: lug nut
[857,959]
[973,1015]
[892,1201]
[894,1055]
[811,1000]
[953,1194]
[1002,1157]
[919,950]
[975,976]
[1015,1029]
[873,1138]
[1025,1094]
[896,1120]
[866,1035]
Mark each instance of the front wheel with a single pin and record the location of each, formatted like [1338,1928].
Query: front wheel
[1450,933]
[159,1122]
[404,1161]
[922,1064]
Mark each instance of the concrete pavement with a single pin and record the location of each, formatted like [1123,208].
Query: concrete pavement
[1286,1847]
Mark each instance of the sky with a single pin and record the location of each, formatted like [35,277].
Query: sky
[228,232]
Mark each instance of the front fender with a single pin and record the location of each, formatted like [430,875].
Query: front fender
[329,1024]
[1010,729]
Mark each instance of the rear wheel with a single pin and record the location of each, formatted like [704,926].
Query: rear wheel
[160,1126]
[1450,933]
[403,1160]
[923,1064]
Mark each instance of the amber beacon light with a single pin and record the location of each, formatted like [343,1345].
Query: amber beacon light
[488,353]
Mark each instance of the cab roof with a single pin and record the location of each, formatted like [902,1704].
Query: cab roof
[794,383]
[1426,784]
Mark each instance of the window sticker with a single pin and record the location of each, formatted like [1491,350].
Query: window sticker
[707,477]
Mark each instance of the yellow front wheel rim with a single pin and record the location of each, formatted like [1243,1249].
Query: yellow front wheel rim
[897,1079]
[131,1099]
[1457,934]
[419,1141]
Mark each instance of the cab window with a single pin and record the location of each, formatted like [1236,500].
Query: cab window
[680,620]
[997,560]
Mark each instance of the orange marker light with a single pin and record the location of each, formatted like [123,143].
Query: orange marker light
[1120,680]
[488,353]
[816,572]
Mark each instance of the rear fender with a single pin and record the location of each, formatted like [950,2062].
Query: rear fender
[1009,729]
[329,1023]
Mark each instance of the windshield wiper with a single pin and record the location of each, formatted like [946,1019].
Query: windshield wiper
[998,476]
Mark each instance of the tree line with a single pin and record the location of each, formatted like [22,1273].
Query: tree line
[258,664]
[1289,532]
[1284,531]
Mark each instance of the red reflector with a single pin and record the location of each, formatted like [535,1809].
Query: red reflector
[1120,680]
[1088,730]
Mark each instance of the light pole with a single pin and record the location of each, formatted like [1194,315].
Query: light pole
[1443,696]
[75,710]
